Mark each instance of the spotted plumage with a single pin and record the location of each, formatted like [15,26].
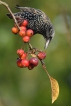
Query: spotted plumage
[37,21]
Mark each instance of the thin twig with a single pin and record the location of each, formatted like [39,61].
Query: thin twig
[7,6]
[44,67]
[30,46]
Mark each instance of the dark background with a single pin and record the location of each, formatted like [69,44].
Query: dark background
[23,87]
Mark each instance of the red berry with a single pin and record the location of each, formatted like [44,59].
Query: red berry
[25,63]
[15,30]
[29,32]
[22,33]
[19,63]
[41,55]
[23,56]
[23,28]
[20,52]
[24,23]
[33,61]
[26,39]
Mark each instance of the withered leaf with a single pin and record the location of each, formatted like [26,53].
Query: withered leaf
[55,88]
[54,84]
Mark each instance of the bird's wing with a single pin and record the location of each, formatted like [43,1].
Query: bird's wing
[22,9]
[33,10]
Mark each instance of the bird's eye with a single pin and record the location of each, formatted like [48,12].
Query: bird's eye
[50,31]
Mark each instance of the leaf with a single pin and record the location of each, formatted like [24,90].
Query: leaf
[54,84]
[55,88]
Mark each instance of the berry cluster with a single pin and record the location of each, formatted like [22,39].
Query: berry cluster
[24,33]
[23,60]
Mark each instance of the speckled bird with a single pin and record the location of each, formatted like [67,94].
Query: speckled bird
[37,21]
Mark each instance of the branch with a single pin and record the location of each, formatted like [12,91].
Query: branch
[30,46]
[44,67]
[6,5]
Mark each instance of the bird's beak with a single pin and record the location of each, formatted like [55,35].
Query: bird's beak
[47,43]
[49,38]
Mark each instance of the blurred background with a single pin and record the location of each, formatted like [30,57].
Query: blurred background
[23,87]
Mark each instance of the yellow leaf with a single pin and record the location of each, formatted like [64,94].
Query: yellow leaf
[54,84]
[55,88]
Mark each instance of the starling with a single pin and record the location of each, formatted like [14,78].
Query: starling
[37,21]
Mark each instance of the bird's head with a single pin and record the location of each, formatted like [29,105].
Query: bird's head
[49,36]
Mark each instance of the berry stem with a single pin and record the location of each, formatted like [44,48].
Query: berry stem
[7,6]
[30,46]
[44,67]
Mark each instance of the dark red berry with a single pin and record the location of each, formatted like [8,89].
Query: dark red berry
[41,55]
[25,63]
[30,67]
[26,39]
[20,52]
[33,61]
[19,63]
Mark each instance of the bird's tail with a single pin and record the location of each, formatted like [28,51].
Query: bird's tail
[9,15]
[17,6]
